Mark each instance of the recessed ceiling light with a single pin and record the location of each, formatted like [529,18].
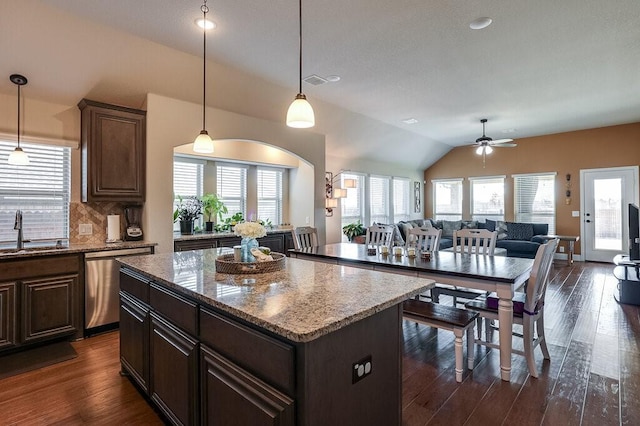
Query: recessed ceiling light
[509,131]
[480,23]
[410,121]
[333,78]
[207,25]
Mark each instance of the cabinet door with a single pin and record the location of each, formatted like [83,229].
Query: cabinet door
[48,307]
[174,372]
[113,152]
[232,396]
[7,315]
[275,242]
[229,241]
[199,244]
[134,339]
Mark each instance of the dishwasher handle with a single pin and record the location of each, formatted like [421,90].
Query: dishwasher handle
[118,253]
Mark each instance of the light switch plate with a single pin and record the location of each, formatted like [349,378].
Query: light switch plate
[575,213]
[85,229]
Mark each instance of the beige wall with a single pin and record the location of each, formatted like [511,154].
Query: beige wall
[172,123]
[563,153]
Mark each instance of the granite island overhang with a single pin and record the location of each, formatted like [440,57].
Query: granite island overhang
[311,344]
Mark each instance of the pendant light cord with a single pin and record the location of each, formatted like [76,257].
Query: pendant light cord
[204,9]
[18,116]
[300,59]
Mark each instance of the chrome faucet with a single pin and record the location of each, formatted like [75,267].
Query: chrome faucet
[18,226]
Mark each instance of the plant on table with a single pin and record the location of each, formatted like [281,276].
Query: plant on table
[353,230]
[249,231]
[213,208]
[187,211]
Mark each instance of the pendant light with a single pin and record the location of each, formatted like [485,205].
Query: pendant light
[18,157]
[300,113]
[203,142]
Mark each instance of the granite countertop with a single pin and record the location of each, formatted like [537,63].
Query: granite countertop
[208,235]
[12,253]
[302,302]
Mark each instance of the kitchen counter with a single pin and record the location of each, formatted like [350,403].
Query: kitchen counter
[208,235]
[13,253]
[300,303]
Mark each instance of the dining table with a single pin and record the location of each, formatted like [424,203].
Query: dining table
[499,274]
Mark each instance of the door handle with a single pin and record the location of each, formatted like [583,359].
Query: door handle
[588,221]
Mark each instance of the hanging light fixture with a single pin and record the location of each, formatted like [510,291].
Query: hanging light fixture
[203,142]
[18,157]
[300,113]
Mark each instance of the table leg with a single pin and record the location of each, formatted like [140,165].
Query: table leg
[505,316]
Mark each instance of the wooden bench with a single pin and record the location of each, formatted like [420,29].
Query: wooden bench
[447,318]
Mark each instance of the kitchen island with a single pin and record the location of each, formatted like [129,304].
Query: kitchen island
[313,344]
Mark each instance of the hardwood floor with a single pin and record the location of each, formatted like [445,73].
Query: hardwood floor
[593,377]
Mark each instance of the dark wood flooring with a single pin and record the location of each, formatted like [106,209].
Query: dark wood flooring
[593,377]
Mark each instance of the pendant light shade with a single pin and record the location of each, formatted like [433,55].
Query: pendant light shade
[203,142]
[300,113]
[18,157]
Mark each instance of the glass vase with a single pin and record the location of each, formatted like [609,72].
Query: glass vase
[246,245]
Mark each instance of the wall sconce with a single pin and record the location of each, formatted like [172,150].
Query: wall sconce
[333,194]
[567,200]
[330,204]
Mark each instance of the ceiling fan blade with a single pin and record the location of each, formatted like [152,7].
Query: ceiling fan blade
[500,141]
[504,145]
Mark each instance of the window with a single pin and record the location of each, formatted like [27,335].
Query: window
[352,207]
[232,188]
[401,199]
[187,181]
[379,199]
[487,198]
[447,199]
[41,190]
[270,195]
[535,199]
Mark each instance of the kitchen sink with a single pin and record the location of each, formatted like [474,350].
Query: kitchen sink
[30,249]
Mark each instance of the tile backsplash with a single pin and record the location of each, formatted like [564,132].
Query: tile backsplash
[94,214]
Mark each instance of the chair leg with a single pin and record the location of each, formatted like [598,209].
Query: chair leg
[435,295]
[527,335]
[479,325]
[541,337]
[458,350]
[470,348]
[488,330]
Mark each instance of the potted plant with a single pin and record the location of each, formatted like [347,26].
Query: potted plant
[353,230]
[232,221]
[213,208]
[187,211]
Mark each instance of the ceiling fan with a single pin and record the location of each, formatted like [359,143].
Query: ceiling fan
[485,144]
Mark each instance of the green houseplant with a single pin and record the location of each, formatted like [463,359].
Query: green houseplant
[353,230]
[213,208]
[187,211]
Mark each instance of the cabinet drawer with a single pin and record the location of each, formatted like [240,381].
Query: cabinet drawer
[269,359]
[135,284]
[40,266]
[175,308]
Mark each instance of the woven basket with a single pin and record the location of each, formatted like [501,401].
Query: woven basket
[225,264]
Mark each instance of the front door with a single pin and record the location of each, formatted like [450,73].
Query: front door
[606,194]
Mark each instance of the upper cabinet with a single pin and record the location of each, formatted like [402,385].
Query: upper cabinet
[113,152]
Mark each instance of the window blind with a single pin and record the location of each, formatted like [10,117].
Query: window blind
[535,200]
[379,199]
[487,198]
[352,207]
[447,199]
[41,190]
[232,188]
[270,195]
[401,199]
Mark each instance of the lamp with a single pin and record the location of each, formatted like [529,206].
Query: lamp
[203,142]
[18,157]
[330,204]
[300,113]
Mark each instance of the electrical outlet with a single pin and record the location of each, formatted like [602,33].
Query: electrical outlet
[561,248]
[361,369]
[306,220]
[85,229]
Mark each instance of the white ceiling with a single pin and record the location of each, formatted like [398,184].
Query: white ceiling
[542,67]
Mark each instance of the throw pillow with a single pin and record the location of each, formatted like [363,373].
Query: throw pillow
[490,225]
[519,231]
[501,229]
[397,238]
[469,224]
[449,226]
[405,227]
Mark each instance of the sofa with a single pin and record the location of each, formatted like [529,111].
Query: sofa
[518,238]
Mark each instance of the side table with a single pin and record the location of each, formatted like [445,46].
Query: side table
[571,239]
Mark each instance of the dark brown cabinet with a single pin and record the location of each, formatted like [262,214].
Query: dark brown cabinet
[113,152]
[8,320]
[134,339]
[174,372]
[279,242]
[232,396]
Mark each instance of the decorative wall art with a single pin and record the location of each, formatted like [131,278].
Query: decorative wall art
[417,205]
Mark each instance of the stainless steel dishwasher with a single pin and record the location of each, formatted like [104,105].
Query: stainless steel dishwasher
[102,284]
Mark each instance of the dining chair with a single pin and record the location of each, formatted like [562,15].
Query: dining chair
[380,235]
[528,309]
[481,242]
[305,237]
[423,238]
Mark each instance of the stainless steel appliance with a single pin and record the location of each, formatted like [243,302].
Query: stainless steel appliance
[133,216]
[102,284]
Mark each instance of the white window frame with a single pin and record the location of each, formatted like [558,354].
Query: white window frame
[540,216]
[487,213]
[277,199]
[359,195]
[401,197]
[382,214]
[242,199]
[194,188]
[447,215]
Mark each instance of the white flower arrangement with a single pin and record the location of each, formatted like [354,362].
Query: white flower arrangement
[250,230]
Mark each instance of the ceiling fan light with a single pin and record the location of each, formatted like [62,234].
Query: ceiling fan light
[479,150]
[300,114]
[18,157]
[488,150]
[203,143]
